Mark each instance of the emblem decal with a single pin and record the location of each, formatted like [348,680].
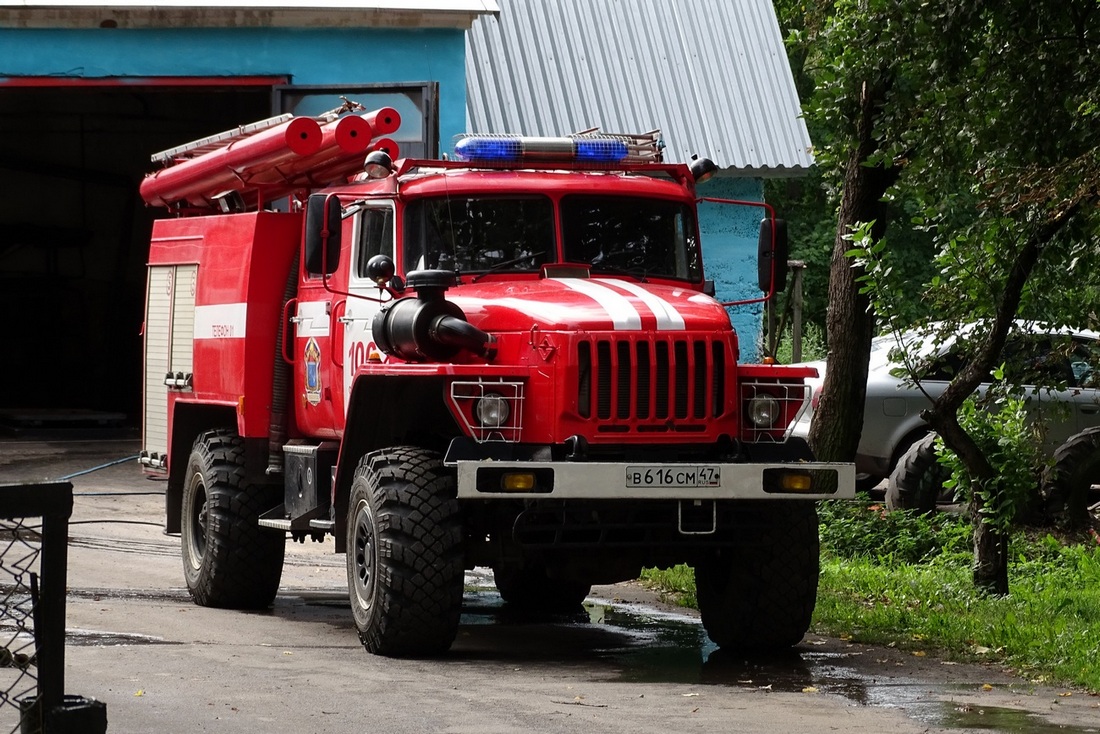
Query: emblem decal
[313,371]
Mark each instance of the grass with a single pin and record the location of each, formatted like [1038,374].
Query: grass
[676,584]
[905,580]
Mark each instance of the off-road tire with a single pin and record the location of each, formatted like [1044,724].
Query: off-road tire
[404,555]
[917,481]
[761,597]
[229,561]
[1066,482]
[529,588]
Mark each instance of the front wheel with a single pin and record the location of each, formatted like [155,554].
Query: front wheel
[229,561]
[404,556]
[761,597]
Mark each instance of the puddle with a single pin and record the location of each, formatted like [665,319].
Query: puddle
[160,595]
[993,718]
[669,648]
[92,638]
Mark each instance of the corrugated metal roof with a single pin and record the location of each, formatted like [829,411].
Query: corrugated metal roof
[713,76]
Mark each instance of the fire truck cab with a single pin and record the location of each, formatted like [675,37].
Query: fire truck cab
[511,359]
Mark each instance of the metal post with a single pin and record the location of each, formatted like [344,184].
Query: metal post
[797,266]
[51,644]
[53,502]
[770,310]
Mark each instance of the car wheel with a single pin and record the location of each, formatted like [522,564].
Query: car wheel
[917,481]
[404,555]
[229,561]
[1068,482]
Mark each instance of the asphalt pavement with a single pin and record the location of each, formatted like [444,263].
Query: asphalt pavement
[626,662]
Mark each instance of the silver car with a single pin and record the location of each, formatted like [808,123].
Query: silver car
[1061,369]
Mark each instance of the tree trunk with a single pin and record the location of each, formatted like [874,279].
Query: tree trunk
[849,320]
[990,542]
[990,570]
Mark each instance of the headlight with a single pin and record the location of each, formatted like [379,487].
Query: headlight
[764,411]
[492,410]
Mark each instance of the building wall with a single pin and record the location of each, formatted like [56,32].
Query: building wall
[73,151]
[313,56]
[729,235]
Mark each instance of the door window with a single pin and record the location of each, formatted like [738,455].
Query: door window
[375,236]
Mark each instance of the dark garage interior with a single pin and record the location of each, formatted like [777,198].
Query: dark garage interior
[74,239]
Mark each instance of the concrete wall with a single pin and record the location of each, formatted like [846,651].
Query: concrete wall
[729,235]
[313,56]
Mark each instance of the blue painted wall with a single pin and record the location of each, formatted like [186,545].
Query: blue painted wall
[729,236]
[313,56]
[362,56]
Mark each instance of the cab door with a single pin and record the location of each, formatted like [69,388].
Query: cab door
[374,235]
[318,341]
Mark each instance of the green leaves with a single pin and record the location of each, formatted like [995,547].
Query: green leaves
[1000,425]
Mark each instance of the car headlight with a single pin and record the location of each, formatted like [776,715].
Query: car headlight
[764,411]
[492,410]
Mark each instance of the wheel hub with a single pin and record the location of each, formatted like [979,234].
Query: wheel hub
[197,518]
[364,559]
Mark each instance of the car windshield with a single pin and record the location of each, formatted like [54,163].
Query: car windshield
[612,234]
[476,234]
[1035,357]
[641,237]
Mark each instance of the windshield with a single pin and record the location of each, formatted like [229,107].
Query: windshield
[472,234]
[631,235]
[611,234]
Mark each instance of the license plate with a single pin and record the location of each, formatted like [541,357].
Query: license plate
[676,476]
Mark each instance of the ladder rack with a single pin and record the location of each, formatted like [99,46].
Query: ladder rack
[218,140]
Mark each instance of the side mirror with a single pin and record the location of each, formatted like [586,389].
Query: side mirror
[323,226]
[771,255]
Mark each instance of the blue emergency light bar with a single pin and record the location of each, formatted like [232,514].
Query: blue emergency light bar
[502,149]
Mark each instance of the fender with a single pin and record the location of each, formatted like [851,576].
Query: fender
[389,410]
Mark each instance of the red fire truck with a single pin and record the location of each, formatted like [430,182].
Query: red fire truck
[510,359]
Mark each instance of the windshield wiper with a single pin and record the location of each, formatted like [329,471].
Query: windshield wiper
[506,263]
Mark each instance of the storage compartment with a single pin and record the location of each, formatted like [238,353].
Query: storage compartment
[308,479]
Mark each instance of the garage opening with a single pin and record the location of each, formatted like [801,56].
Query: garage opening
[74,238]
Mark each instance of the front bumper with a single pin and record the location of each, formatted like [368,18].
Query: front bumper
[635,480]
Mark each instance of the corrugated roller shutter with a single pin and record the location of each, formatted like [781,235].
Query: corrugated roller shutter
[158,338]
[183,319]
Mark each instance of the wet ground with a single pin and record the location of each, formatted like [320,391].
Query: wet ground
[638,643]
[132,627]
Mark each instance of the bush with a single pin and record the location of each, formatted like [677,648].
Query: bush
[864,529]
[1000,427]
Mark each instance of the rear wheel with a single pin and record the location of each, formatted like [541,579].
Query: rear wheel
[917,481]
[404,556]
[1068,482]
[228,559]
[530,588]
[762,597]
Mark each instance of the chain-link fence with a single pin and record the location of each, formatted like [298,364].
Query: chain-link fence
[34,523]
